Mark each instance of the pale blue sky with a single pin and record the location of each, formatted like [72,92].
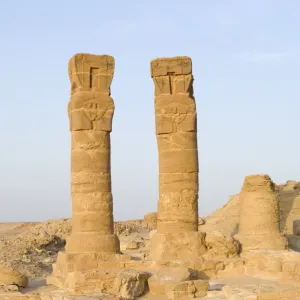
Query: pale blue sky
[246,62]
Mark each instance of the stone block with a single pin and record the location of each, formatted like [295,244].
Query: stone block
[187,289]
[165,277]
[174,246]
[130,284]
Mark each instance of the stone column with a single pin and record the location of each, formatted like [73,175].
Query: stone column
[259,215]
[91,112]
[176,131]
[92,248]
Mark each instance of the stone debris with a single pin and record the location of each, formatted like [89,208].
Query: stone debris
[130,284]
[219,245]
[167,277]
[187,289]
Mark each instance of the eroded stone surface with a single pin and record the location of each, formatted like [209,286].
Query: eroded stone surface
[150,220]
[176,132]
[130,283]
[91,112]
[219,245]
[92,242]
[259,215]
[166,278]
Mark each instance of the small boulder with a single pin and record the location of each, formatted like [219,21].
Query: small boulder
[130,284]
[188,289]
[11,277]
[165,278]
[12,288]
[220,246]
[129,245]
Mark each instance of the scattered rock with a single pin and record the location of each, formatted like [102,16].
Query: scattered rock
[220,246]
[187,289]
[159,282]
[130,284]
[12,288]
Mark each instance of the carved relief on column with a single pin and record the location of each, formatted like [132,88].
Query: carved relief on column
[176,132]
[91,112]
[91,106]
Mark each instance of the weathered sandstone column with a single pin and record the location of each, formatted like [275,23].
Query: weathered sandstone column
[92,240]
[259,215]
[176,131]
[90,112]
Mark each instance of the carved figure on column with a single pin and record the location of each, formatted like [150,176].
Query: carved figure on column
[92,240]
[176,131]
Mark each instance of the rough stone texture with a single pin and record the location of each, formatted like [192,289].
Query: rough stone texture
[226,219]
[276,265]
[12,277]
[130,284]
[259,215]
[293,215]
[187,289]
[176,132]
[90,112]
[296,227]
[165,278]
[219,245]
[92,245]
[150,220]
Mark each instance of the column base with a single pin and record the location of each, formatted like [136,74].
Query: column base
[262,241]
[87,272]
[89,242]
[174,246]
